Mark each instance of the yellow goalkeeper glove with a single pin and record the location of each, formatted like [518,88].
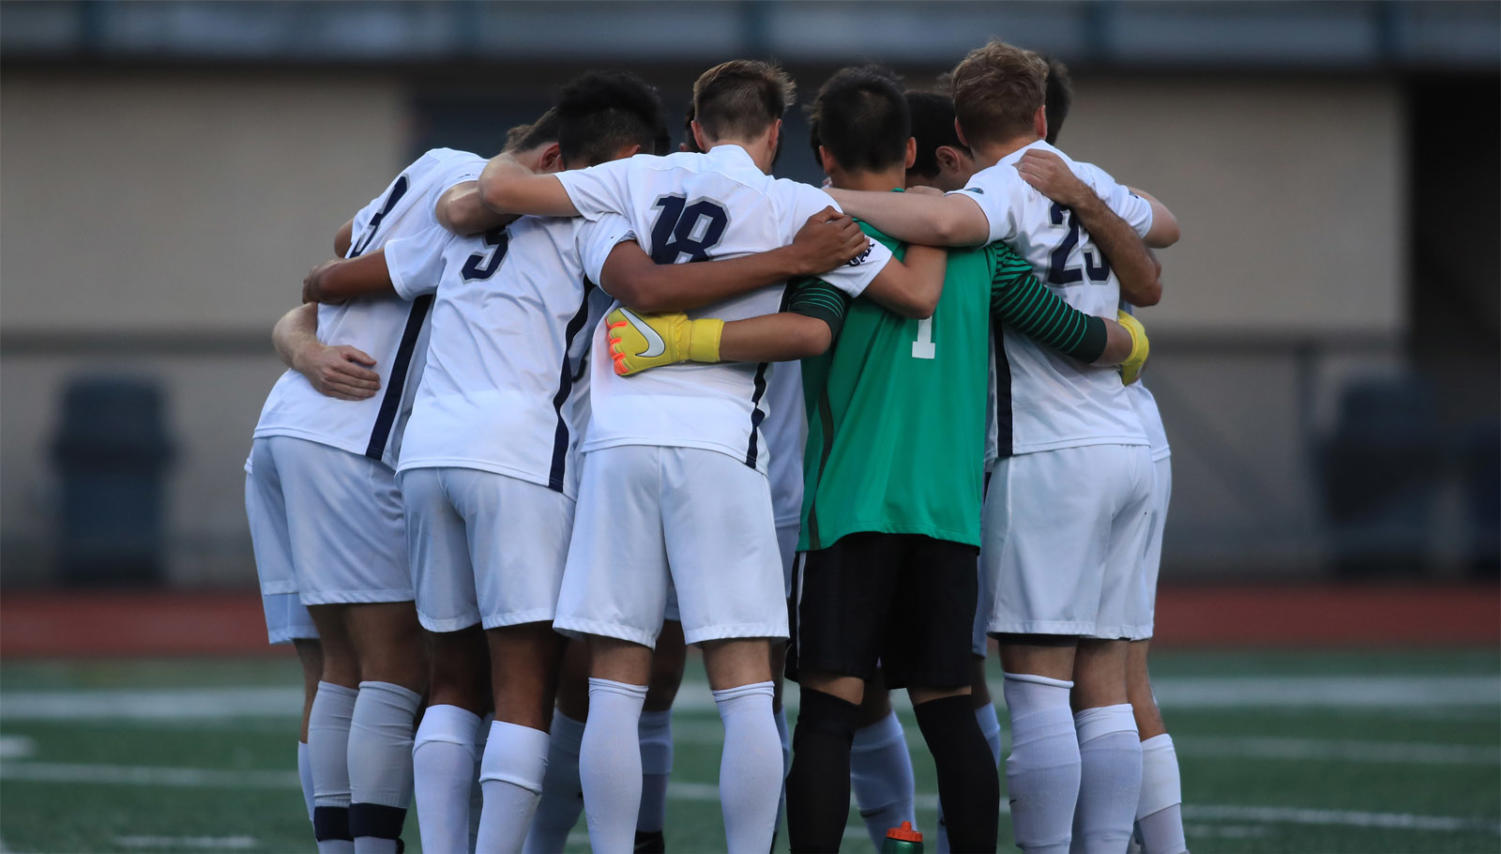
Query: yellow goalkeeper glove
[1140,348]
[639,342]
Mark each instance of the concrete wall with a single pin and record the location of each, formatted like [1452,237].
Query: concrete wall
[150,205]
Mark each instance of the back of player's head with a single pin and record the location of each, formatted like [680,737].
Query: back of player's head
[932,126]
[741,98]
[860,117]
[998,89]
[1059,97]
[540,132]
[689,143]
[600,113]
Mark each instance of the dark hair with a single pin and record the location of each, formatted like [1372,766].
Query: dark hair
[539,132]
[601,112]
[997,90]
[689,143]
[1059,97]
[741,98]
[932,126]
[860,116]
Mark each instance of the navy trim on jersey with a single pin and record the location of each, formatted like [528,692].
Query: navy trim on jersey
[396,385]
[757,416]
[567,377]
[398,189]
[1003,427]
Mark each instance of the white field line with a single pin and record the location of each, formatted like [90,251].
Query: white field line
[15,747]
[1199,692]
[137,775]
[703,731]
[196,843]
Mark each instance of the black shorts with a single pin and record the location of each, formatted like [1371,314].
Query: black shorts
[903,602]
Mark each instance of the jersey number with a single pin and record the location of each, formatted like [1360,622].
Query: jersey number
[923,347]
[482,265]
[684,229]
[1059,273]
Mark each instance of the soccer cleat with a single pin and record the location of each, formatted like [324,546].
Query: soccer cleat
[1140,348]
[638,342]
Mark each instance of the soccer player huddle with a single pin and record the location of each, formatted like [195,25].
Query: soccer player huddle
[554,415]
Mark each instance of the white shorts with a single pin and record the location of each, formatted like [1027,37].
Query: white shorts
[340,520]
[1144,610]
[485,548]
[650,515]
[286,617]
[1064,533]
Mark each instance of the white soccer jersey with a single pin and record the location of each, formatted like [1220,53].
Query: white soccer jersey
[505,387]
[1047,401]
[786,432]
[694,207]
[390,329]
[1147,411]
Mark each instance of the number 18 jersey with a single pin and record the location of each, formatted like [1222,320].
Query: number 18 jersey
[697,207]
[1046,401]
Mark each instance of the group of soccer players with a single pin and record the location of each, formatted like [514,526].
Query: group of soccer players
[527,452]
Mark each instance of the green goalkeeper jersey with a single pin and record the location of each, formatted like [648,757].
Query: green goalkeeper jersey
[896,408]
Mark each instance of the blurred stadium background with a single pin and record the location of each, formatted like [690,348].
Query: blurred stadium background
[1326,356]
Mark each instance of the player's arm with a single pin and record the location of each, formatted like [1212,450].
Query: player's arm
[1021,302]
[507,186]
[1125,250]
[343,237]
[811,323]
[462,211]
[930,220]
[339,371]
[338,279]
[1164,231]
[827,240]
[911,286]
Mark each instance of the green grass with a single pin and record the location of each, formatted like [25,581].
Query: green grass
[1417,770]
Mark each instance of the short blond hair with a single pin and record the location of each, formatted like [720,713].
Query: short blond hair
[997,90]
[741,98]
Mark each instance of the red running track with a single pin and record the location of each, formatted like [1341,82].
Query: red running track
[65,624]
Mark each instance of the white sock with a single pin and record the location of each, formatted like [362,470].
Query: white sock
[1159,812]
[750,769]
[562,797]
[655,732]
[1110,778]
[328,761]
[511,774]
[990,727]
[881,777]
[1042,772]
[380,765]
[610,765]
[305,774]
[443,758]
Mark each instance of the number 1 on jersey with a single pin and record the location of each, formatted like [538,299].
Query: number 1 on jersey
[923,347]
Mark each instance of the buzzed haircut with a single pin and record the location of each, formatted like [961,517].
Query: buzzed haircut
[860,117]
[1060,96]
[540,132]
[997,90]
[601,112]
[932,126]
[741,98]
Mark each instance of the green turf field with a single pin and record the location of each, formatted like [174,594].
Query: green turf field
[1281,752]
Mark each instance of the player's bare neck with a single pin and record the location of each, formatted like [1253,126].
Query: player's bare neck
[988,154]
[757,148]
[880,182]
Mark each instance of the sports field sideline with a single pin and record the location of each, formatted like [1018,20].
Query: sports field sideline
[1282,751]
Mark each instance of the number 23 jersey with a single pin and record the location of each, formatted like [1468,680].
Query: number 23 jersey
[1046,401]
[696,207]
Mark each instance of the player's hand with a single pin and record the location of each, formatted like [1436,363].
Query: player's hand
[827,240]
[641,341]
[312,283]
[339,371]
[1047,172]
[1132,367]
